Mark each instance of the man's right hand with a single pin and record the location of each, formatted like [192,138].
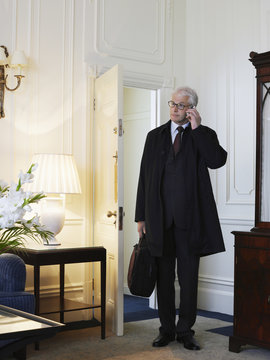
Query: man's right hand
[141,228]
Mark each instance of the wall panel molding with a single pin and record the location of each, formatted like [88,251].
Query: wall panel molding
[216,280]
[52,114]
[225,81]
[236,221]
[242,95]
[125,39]
[264,26]
[14,25]
[34,58]
[68,41]
[143,80]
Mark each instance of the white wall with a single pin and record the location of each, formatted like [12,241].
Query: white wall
[219,37]
[49,111]
[202,43]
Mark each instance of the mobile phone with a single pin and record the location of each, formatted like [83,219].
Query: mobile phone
[187,113]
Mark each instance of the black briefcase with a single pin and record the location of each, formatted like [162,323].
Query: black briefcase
[142,271]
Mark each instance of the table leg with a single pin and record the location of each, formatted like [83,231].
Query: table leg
[37,288]
[37,294]
[62,286]
[20,354]
[103,297]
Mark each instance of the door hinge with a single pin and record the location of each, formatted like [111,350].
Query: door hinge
[94,104]
[93,284]
[121,216]
[120,126]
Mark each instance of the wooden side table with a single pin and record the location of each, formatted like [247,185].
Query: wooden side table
[39,255]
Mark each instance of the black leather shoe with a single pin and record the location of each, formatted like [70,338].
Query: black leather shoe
[163,340]
[189,342]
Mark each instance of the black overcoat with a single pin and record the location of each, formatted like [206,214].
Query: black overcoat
[204,152]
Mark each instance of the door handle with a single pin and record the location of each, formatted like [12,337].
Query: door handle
[111,213]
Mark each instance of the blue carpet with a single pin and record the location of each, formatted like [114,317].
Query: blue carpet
[215,315]
[226,330]
[137,308]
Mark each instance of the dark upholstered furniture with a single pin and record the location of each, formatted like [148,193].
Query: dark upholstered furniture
[12,294]
[12,284]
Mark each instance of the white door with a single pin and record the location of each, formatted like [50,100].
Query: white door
[108,188]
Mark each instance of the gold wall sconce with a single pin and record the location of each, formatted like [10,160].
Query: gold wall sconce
[18,60]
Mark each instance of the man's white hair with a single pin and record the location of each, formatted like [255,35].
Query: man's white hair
[187,91]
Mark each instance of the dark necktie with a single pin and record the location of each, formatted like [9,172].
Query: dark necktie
[177,140]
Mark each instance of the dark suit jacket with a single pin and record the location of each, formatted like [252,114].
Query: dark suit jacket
[203,151]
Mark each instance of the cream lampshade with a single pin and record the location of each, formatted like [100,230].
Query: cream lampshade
[3,57]
[18,59]
[56,174]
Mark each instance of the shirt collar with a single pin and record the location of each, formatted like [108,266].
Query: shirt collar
[174,126]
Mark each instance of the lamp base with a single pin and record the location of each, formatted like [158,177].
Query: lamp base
[52,242]
[52,216]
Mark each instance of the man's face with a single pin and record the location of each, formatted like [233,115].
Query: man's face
[179,116]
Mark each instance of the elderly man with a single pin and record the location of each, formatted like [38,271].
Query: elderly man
[176,210]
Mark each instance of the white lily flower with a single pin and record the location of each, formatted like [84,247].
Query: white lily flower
[15,207]
[34,167]
[3,185]
[26,178]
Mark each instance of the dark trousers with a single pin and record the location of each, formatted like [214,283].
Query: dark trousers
[176,250]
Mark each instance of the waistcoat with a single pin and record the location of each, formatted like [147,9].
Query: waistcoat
[173,189]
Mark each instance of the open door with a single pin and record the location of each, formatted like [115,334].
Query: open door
[108,189]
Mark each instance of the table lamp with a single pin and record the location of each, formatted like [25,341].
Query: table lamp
[55,174]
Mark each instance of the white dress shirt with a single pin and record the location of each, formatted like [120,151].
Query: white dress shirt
[174,130]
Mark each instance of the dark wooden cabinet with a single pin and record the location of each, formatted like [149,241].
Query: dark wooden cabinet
[251,290]
[252,249]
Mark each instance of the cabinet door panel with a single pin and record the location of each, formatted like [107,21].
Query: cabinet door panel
[249,307]
[266,295]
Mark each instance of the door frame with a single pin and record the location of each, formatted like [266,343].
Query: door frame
[164,87]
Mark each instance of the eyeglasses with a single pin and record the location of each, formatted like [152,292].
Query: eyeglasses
[179,106]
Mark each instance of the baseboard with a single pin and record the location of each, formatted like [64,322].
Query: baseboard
[126,290]
[215,300]
[216,294]
[213,295]
[75,290]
